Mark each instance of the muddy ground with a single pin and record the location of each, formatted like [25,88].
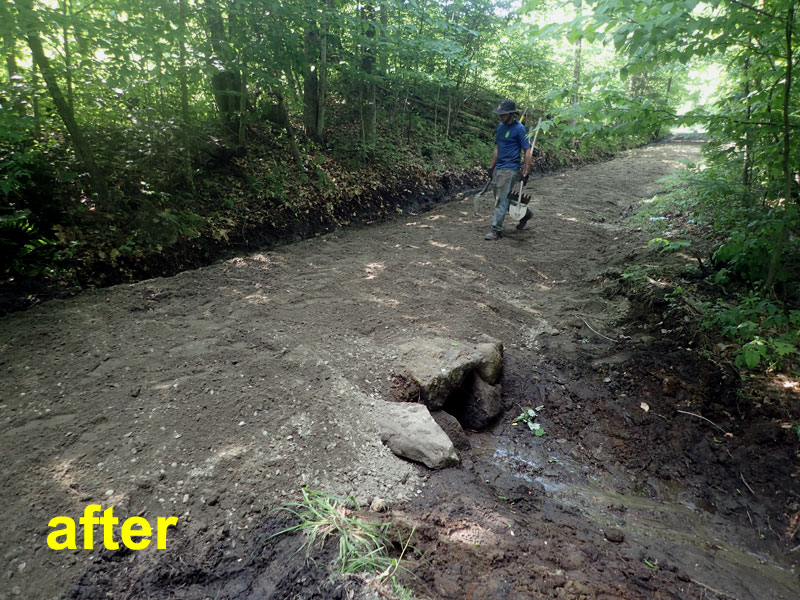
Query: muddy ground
[217,394]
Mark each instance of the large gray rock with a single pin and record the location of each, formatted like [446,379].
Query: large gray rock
[491,366]
[440,366]
[452,429]
[410,431]
[482,406]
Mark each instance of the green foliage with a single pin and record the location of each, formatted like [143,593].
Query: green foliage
[652,564]
[675,297]
[529,416]
[137,77]
[397,591]
[746,230]
[18,156]
[754,118]
[23,251]
[161,226]
[665,245]
[767,332]
[636,277]
[750,244]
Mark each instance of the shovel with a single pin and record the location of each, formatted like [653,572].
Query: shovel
[477,197]
[519,205]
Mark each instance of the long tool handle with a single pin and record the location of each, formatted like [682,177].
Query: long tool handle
[533,145]
[536,134]
[477,197]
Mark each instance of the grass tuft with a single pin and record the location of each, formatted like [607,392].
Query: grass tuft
[363,547]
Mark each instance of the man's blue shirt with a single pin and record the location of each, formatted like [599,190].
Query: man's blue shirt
[511,140]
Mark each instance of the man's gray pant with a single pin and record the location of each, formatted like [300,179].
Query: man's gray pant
[502,183]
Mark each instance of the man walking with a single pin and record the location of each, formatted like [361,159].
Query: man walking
[511,139]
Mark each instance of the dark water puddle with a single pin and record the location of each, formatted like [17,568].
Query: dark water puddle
[668,529]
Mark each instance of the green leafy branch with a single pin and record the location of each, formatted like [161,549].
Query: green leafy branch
[767,332]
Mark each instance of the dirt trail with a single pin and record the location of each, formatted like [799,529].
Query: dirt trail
[217,394]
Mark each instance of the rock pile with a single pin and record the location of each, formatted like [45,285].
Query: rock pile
[450,377]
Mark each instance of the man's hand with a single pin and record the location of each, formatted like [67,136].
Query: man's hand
[525,179]
[490,171]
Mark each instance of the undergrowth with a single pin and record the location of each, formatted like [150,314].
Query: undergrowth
[766,331]
[743,231]
[23,250]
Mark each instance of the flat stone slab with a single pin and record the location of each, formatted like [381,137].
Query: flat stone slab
[440,366]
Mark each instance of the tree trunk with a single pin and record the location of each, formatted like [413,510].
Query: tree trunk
[68,58]
[237,38]
[294,89]
[310,80]
[383,57]
[287,125]
[369,109]
[436,108]
[10,54]
[183,79]
[9,42]
[9,49]
[243,108]
[81,145]
[37,110]
[787,90]
[226,84]
[746,158]
[787,147]
[322,78]
[216,31]
[449,114]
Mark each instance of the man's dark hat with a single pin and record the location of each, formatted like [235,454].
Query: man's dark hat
[506,107]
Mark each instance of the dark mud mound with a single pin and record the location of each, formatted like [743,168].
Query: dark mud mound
[211,566]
